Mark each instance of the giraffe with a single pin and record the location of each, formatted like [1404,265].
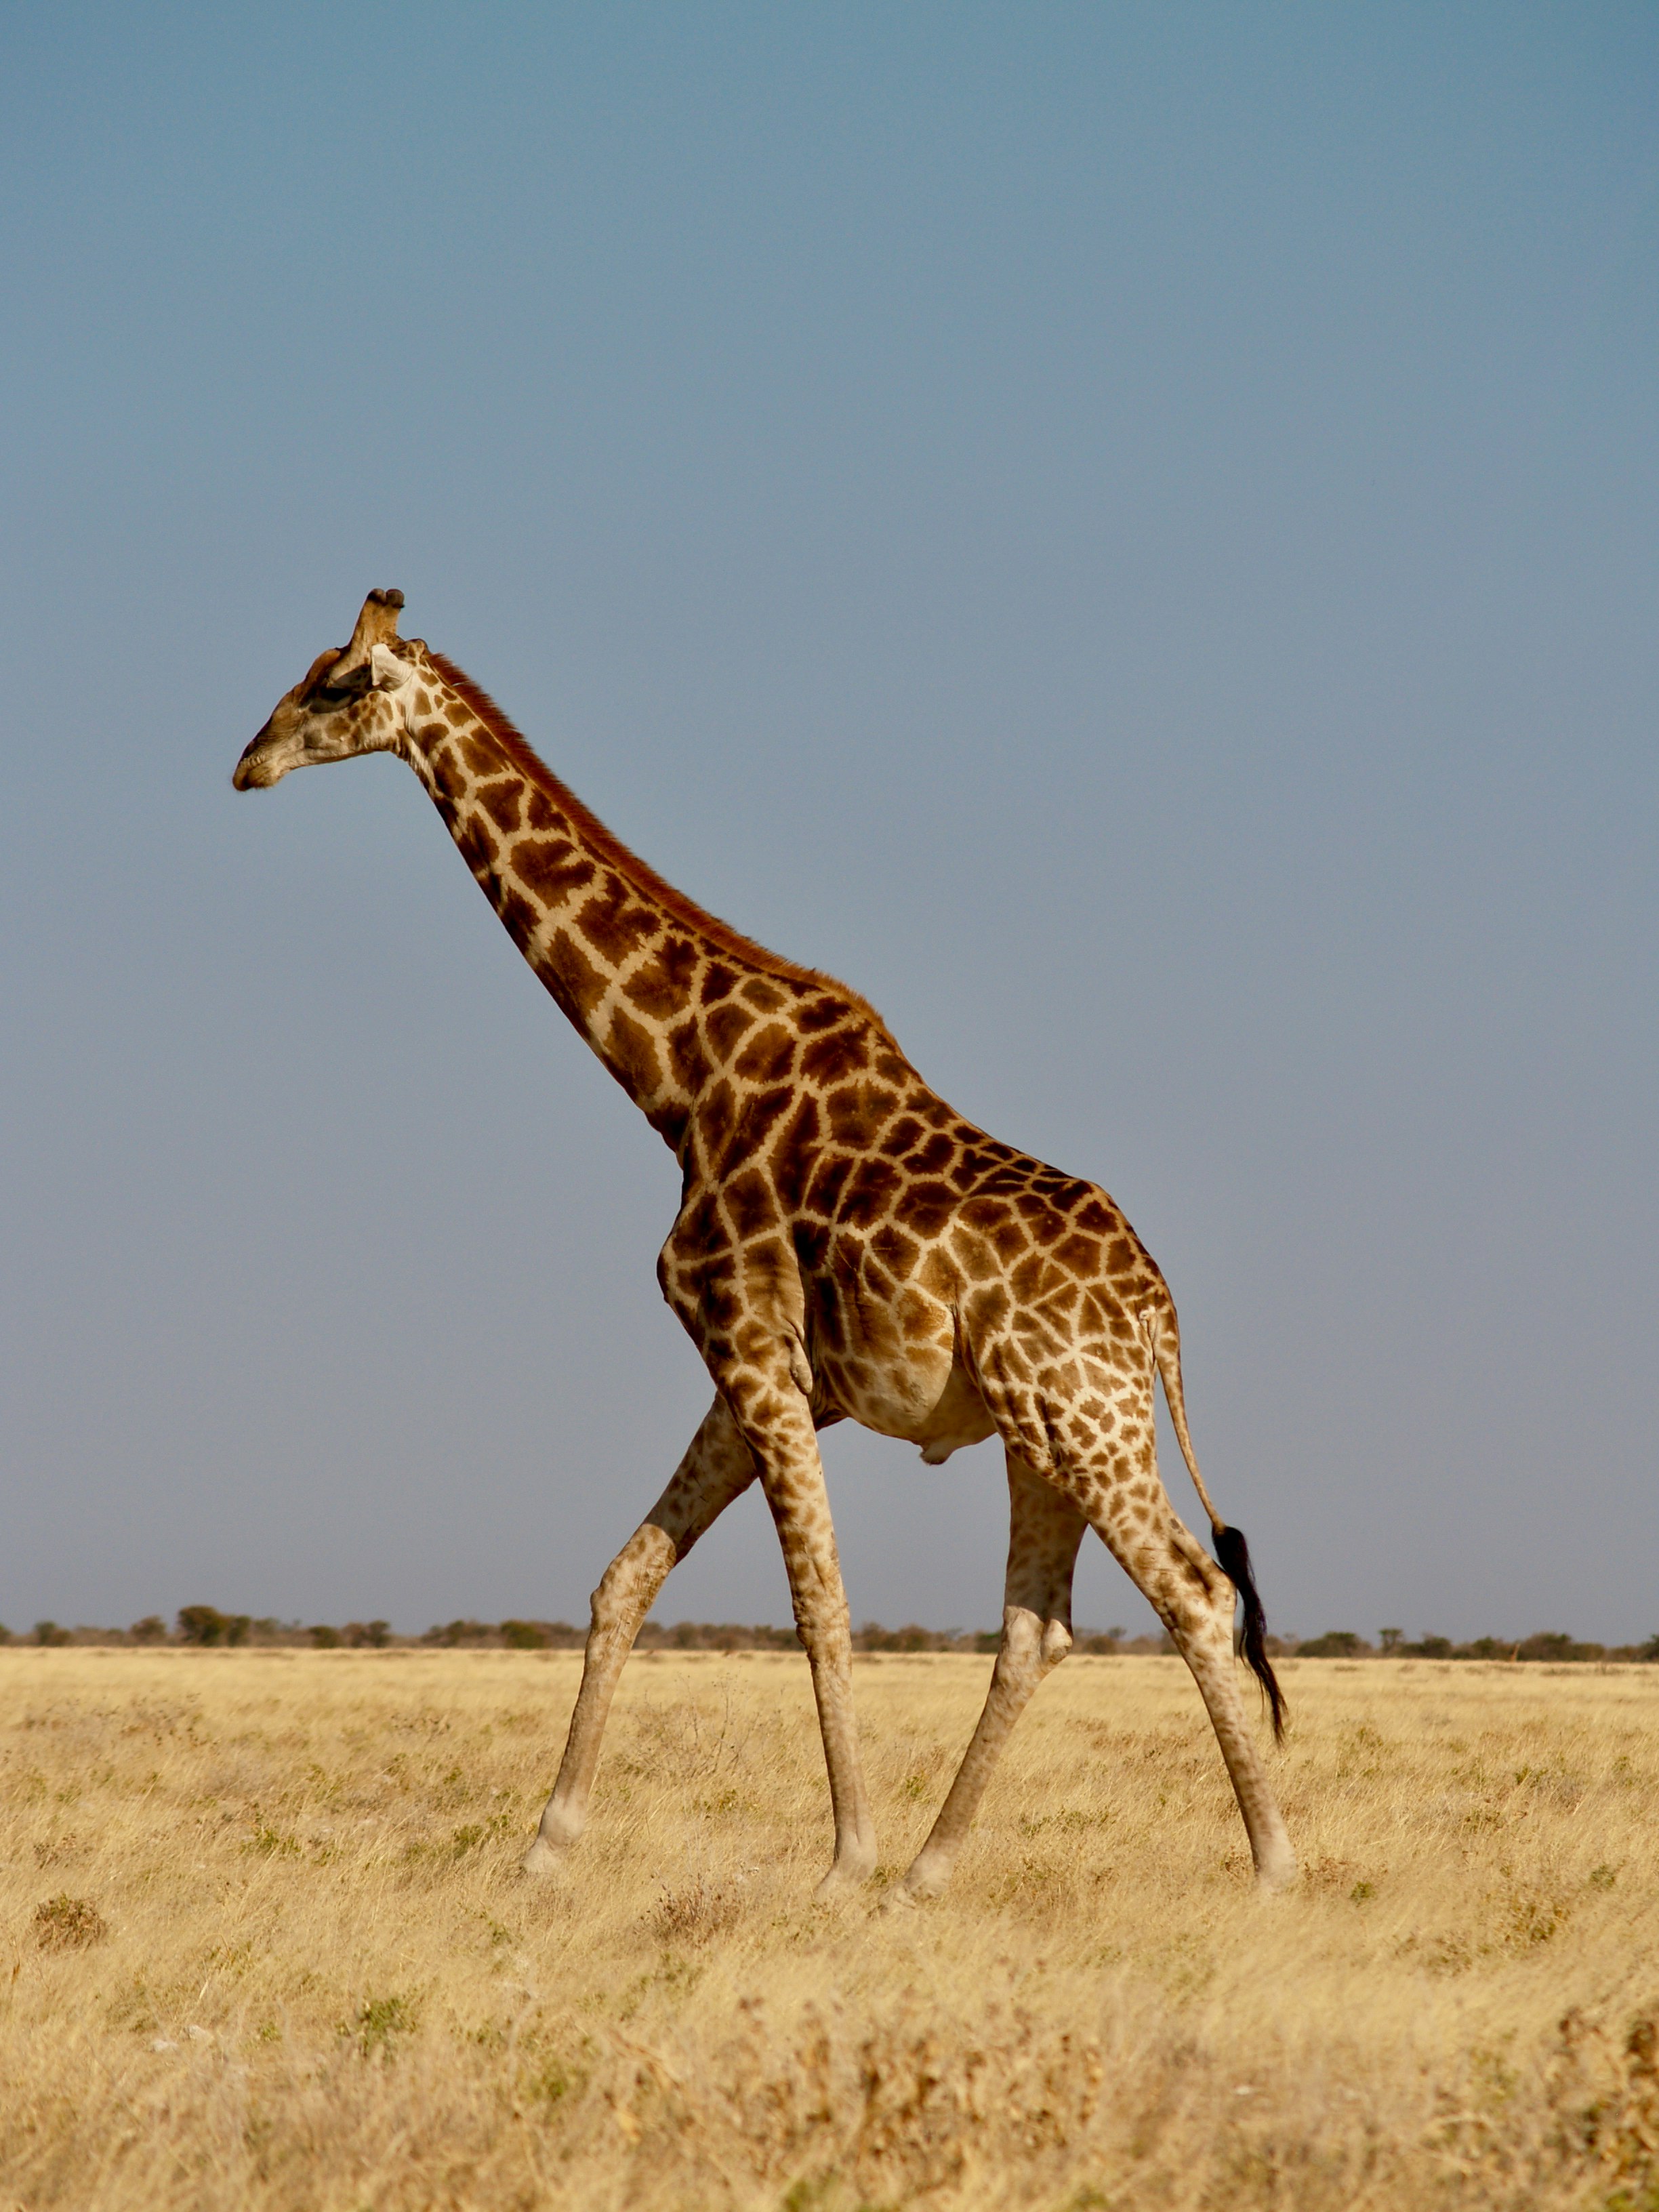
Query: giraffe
[846,1246]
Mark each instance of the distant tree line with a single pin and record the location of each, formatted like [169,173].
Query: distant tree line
[206,1626]
[1391,1644]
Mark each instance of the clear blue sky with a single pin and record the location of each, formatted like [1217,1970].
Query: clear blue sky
[1127,532]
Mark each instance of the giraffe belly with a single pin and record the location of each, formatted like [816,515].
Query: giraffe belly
[924,1398]
[961,1417]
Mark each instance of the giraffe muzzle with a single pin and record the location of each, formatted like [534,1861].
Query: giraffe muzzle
[261,765]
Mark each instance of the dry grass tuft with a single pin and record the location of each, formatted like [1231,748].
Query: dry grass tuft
[324,1984]
[699,1909]
[65,1923]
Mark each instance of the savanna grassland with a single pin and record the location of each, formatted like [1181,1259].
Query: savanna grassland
[265,1944]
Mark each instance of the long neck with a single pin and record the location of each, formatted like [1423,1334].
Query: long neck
[666,995]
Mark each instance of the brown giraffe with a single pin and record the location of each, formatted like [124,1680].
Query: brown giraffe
[846,1246]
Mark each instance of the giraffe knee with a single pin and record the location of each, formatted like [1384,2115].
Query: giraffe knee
[1197,1616]
[824,1629]
[608,1607]
[1032,1646]
[1056,1643]
[1189,1592]
[819,1605]
[632,1580]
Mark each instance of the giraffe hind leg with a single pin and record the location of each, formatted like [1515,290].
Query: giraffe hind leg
[1045,1528]
[1125,1502]
[1109,1469]
[717,1468]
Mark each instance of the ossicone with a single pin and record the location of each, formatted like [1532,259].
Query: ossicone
[376,625]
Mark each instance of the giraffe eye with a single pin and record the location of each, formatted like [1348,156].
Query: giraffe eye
[335,695]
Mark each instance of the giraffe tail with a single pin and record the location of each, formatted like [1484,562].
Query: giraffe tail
[1233,1552]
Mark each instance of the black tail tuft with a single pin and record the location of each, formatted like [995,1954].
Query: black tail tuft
[1234,1555]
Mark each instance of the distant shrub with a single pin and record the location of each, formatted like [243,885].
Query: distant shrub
[367,1635]
[705,1636]
[152,1629]
[458,1632]
[5,1633]
[872,1637]
[1335,1644]
[48,1631]
[205,1624]
[323,1638]
[523,1636]
[1557,1648]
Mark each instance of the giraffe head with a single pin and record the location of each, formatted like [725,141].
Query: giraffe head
[347,703]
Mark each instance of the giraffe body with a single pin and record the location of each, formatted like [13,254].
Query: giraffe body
[847,1246]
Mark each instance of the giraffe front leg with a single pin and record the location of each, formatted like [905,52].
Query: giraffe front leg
[773,1414]
[1044,1531]
[800,1509]
[718,1467]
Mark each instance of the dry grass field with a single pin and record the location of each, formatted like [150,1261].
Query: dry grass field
[265,1944]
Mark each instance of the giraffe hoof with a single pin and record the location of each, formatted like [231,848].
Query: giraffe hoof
[923,1881]
[542,1862]
[897,1900]
[1276,1875]
[844,1878]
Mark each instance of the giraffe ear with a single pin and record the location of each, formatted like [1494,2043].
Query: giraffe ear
[387,670]
[377,625]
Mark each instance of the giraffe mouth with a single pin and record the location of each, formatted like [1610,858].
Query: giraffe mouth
[260,766]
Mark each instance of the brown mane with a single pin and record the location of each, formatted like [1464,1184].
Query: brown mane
[627,863]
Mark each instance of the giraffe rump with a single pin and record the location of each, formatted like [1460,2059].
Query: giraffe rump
[1233,1557]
